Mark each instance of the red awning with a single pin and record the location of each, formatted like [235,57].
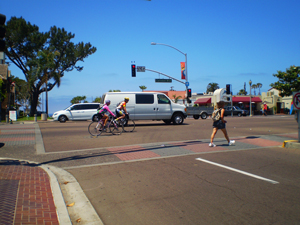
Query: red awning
[202,101]
[246,99]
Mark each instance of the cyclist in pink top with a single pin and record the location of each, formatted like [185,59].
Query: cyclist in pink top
[103,111]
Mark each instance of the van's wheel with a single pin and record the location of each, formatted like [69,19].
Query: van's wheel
[178,119]
[239,114]
[196,117]
[203,116]
[62,119]
[167,121]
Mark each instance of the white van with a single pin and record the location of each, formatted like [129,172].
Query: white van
[148,106]
[80,111]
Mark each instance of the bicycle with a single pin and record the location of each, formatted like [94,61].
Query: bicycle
[127,124]
[96,128]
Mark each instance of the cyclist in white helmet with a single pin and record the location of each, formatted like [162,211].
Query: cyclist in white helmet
[103,111]
[121,109]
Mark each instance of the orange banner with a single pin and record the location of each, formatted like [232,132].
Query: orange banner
[182,64]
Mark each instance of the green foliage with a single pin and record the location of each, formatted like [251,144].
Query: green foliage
[78,99]
[242,92]
[143,87]
[2,90]
[43,57]
[176,98]
[114,91]
[98,99]
[211,87]
[288,82]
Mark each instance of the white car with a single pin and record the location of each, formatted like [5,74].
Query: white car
[80,111]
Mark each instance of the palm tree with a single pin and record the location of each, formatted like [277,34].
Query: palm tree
[176,98]
[254,86]
[142,87]
[259,85]
[211,87]
[242,92]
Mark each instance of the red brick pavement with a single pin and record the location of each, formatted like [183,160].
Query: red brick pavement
[33,201]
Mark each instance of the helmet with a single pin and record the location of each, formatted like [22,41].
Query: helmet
[126,98]
[107,101]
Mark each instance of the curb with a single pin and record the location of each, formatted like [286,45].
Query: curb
[291,144]
[82,211]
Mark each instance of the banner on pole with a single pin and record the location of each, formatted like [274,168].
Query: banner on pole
[182,64]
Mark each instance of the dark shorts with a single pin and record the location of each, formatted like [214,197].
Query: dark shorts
[219,124]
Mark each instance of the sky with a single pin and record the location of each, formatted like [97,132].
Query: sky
[226,42]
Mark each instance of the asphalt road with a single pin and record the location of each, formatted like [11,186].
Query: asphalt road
[254,182]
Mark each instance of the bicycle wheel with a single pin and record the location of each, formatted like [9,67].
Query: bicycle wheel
[129,126]
[94,128]
[115,129]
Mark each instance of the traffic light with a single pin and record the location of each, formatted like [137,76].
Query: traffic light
[133,70]
[2,32]
[189,92]
[228,89]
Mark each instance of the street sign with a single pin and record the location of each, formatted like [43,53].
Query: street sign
[163,80]
[296,100]
[187,84]
[140,69]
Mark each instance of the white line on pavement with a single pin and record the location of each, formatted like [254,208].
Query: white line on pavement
[238,171]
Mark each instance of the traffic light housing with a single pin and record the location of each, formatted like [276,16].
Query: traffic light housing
[228,89]
[2,32]
[133,70]
[189,92]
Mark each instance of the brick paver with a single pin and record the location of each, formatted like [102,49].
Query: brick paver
[32,201]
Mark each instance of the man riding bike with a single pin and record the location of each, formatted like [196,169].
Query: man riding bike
[121,109]
[103,111]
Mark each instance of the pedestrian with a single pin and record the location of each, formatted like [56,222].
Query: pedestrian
[220,124]
[265,109]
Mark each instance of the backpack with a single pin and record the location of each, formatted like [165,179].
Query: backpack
[216,115]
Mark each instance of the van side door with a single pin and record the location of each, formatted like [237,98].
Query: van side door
[76,112]
[164,107]
[145,107]
[88,111]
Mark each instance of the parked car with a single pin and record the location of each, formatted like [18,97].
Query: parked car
[236,111]
[80,111]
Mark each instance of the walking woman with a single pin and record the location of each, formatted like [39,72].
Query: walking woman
[220,124]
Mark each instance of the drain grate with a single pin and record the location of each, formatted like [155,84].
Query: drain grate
[8,197]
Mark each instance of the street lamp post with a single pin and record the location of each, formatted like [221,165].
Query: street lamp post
[250,83]
[185,54]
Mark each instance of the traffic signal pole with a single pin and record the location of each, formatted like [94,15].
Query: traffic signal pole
[166,76]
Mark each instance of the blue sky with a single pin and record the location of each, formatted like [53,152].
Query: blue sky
[226,41]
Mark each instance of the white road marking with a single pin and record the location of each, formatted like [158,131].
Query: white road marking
[238,171]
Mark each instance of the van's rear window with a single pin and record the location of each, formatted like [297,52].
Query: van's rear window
[144,99]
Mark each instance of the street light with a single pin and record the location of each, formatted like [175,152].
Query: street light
[185,54]
[250,83]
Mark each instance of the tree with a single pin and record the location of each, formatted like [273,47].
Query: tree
[259,85]
[211,87]
[288,82]
[143,87]
[22,94]
[254,86]
[114,91]
[98,99]
[78,99]
[176,98]
[43,57]
[242,92]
